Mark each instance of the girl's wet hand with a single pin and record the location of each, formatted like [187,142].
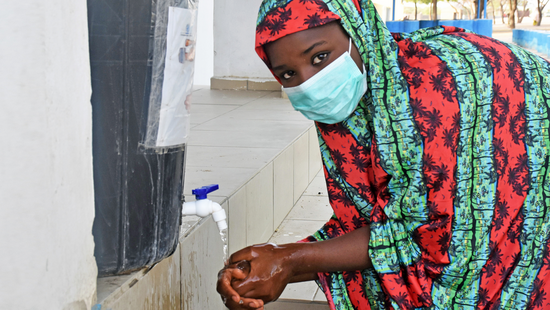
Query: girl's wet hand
[230,297]
[269,271]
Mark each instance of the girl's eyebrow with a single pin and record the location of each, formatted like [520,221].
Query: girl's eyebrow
[313,46]
[278,68]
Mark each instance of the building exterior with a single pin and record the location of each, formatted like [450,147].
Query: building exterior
[46,180]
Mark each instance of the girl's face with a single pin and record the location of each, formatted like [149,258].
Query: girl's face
[297,57]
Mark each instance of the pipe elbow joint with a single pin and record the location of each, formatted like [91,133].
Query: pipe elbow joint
[219,216]
[204,208]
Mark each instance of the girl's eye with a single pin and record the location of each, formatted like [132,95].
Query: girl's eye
[287,75]
[319,58]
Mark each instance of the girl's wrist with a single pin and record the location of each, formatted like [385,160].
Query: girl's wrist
[294,258]
[312,276]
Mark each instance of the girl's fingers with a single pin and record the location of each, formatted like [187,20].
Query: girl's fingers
[246,289]
[238,274]
[243,266]
[253,303]
[245,304]
[224,288]
[242,255]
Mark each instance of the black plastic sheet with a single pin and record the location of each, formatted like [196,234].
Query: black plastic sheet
[138,192]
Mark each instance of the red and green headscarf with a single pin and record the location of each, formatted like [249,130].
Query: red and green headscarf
[446,158]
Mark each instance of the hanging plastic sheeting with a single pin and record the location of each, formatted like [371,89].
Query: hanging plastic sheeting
[141,59]
[173,55]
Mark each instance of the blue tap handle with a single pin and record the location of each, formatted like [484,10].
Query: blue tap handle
[202,192]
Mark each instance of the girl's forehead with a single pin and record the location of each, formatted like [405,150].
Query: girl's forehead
[329,32]
[299,46]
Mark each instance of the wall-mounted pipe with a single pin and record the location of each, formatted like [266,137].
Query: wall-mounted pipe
[203,206]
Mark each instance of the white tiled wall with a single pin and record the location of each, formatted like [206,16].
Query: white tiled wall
[237,220]
[201,259]
[283,191]
[315,163]
[301,165]
[259,204]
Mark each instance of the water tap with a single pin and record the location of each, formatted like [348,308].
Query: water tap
[203,207]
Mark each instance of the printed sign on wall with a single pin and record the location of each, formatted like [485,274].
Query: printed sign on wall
[178,77]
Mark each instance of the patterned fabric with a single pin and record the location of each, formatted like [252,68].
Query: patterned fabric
[446,158]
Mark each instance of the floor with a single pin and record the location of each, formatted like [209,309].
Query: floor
[228,135]
[234,135]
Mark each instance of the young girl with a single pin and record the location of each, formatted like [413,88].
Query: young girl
[435,148]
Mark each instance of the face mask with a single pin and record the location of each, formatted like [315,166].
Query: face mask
[332,94]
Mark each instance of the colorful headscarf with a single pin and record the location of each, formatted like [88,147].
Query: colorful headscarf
[446,158]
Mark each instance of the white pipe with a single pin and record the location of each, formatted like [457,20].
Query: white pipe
[204,208]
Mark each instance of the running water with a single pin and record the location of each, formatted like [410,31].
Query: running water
[223,234]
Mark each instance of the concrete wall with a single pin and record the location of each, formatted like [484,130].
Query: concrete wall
[184,281]
[234,34]
[479,26]
[46,184]
[532,39]
[204,61]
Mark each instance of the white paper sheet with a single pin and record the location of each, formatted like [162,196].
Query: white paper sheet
[178,77]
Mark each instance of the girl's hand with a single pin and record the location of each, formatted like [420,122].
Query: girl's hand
[270,270]
[258,274]
[230,297]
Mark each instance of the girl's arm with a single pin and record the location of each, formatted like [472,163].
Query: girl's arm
[346,253]
[272,267]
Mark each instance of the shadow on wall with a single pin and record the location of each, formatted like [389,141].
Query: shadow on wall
[479,26]
[532,39]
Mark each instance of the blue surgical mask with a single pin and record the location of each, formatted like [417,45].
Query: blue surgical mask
[332,94]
